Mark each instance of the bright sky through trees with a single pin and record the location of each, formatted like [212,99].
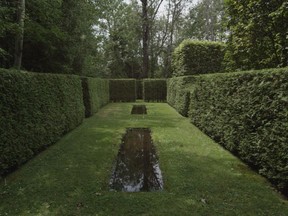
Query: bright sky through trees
[165,2]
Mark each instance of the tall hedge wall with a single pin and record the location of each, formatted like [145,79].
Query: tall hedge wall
[123,90]
[35,111]
[154,90]
[178,93]
[248,114]
[197,57]
[95,94]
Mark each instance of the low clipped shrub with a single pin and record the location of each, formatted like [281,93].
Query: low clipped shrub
[197,57]
[154,90]
[122,90]
[178,93]
[35,111]
[247,113]
[139,89]
[95,94]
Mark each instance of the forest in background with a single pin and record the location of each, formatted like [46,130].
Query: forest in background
[117,39]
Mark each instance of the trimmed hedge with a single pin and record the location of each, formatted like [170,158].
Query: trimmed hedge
[154,90]
[139,89]
[123,90]
[35,111]
[197,57]
[178,93]
[95,94]
[247,113]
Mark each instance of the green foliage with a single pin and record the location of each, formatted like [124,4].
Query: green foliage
[154,90]
[139,89]
[178,93]
[95,94]
[80,45]
[35,111]
[258,36]
[44,46]
[58,36]
[120,36]
[247,113]
[123,90]
[8,29]
[197,57]
[205,21]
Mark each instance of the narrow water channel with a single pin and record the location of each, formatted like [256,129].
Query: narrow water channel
[137,167]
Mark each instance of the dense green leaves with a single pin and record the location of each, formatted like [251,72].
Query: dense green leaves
[35,111]
[247,113]
[258,36]
[197,57]
[8,29]
[58,36]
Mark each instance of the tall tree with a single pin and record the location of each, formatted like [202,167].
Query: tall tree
[20,34]
[164,36]
[176,7]
[145,38]
[119,33]
[45,43]
[149,12]
[77,22]
[205,21]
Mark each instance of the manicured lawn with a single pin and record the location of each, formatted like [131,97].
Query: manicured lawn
[200,178]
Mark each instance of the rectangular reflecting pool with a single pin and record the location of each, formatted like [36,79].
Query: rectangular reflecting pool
[137,168]
[139,109]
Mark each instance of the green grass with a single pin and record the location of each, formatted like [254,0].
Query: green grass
[201,178]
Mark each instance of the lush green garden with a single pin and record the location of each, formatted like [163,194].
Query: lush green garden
[200,178]
[212,74]
[245,112]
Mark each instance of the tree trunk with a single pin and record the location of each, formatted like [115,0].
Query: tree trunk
[152,60]
[20,35]
[145,29]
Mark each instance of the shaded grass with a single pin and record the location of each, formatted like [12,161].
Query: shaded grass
[200,178]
